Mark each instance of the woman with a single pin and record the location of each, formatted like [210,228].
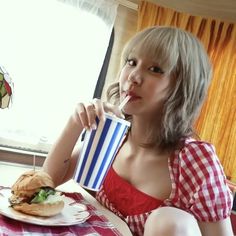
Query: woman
[162,181]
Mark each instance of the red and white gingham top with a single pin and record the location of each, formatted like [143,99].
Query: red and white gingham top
[198,187]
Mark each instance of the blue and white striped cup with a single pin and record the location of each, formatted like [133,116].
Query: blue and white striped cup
[98,151]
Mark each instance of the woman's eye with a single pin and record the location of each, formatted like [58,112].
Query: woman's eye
[131,62]
[156,69]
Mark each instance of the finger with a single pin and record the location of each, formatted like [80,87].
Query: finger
[98,104]
[81,115]
[91,115]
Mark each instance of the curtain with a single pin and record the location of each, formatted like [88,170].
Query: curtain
[103,73]
[54,53]
[217,120]
[104,9]
[107,11]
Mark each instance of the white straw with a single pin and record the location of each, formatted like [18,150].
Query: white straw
[122,104]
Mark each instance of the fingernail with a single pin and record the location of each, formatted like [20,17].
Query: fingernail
[93,126]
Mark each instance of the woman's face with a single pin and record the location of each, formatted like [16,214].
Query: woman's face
[147,84]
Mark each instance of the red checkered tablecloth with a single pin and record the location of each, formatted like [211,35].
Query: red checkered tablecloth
[97,224]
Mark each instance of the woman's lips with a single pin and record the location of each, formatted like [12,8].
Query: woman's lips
[133,96]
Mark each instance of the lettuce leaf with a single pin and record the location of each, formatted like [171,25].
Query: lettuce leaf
[42,195]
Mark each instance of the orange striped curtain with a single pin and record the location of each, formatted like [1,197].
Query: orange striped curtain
[217,120]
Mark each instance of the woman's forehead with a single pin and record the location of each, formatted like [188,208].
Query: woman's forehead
[161,48]
[152,46]
[156,54]
[144,55]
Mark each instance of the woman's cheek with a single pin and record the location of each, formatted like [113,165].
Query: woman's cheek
[123,77]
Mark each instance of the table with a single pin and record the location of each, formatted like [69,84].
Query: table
[9,172]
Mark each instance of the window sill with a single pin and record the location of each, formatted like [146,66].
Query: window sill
[24,158]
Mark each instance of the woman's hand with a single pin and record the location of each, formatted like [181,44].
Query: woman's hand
[86,113]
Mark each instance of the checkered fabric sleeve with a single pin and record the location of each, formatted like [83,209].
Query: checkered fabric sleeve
[202,185]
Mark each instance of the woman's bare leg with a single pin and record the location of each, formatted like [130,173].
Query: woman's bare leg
[170,221]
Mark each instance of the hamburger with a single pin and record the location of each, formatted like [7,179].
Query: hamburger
[33,193]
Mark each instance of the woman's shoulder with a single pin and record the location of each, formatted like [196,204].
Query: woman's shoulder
[198,156]
[199,176]
[197,150]
[192,145]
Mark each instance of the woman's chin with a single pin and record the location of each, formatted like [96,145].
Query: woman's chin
[129,112]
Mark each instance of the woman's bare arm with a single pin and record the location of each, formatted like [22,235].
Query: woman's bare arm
[61,160]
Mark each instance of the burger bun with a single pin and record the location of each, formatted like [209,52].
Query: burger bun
[40,209]
[27,186]
[28,183]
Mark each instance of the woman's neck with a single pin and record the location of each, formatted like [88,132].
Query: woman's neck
[140,131]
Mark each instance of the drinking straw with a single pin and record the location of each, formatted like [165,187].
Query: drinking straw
[122,104]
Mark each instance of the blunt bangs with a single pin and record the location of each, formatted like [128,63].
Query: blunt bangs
[163,40]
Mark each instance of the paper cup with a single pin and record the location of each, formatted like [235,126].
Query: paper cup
[98,151]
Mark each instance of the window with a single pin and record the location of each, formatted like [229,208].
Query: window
[54,53]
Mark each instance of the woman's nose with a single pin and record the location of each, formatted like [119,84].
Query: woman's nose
[135,77]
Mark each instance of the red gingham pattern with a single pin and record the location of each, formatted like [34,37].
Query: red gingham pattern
[97,224]
[198,186]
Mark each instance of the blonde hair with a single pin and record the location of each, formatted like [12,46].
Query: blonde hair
[182,56]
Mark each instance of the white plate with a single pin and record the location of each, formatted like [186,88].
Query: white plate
[73,213]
